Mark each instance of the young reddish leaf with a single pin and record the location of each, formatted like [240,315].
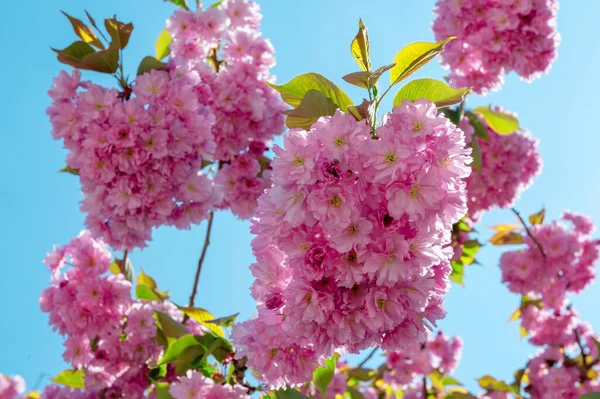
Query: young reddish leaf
[105,61]
[150,63]
[119,31]
[537,218]
[84,32]
[74,54]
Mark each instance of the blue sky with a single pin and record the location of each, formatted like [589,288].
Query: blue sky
[39,207]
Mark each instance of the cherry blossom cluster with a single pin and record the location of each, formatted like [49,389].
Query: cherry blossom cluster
[108,334]
[245,107]
[11,387]
[350,240]
[138,160]
[196,386]
[408,366]
[244,179]
[508,166]
[565,265]
[495,37]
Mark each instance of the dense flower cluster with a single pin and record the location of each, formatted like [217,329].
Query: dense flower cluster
[108,334]
[408,366]
[138,160]
[508,167]
[245,107]
[495,37]
[350,239]
[244,179]
[196,386]
[566,264]
[11,387]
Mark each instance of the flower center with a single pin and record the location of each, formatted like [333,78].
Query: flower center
[298,161]
[336,201]
[390,159]
[381,303]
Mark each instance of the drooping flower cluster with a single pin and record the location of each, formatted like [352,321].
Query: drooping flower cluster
[245,107]
[11,387]
[495,37]
[410,365]
[508,167]
[566,264]
[349,240]
[138,160]
[108,334]
[196,386]
[244,179]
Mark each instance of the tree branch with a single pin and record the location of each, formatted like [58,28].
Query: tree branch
[529,232]
[200,262]
[369,356]
[578,339]
[425,395]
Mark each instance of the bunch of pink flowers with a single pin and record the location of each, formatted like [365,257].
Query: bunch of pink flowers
[11,387]
[350,239]
[508,166]
[565,265]
[495,37]
[438,353]
[138,160]
[196,386]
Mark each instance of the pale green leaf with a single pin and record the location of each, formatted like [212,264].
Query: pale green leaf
[68,169]
[162,390]
[500,122]
[294,91]
[118,31]
[170,328]
[203,317]
[433,90]
[413,56]
[162,45]
[313,106]
[323,375]
[70,378]
[360,47]
[476,154]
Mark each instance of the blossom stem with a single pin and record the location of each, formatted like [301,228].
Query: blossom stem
[425,395]
[122,266]
[529,232]
[369,356]
[578,339]
[200,262]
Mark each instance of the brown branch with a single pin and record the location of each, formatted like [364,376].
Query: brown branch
[578,339]
[425,394]
[369,356]
[529,232]
[200,262]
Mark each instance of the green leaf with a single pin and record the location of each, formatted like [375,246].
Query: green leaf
[590,395]
[179,3]
[224,321]
[162,390]
[70,378]
[74,54]
[170,328]
[287,394]
[471,247]
[162,45]
[478,125]
[323,375]
[490,383]
[68,169]
[360,47]
[294,91]
[436,380]
[203,317]
[216,4]
[150,63]
[179,346]
[147,289]
[458,272]
[366,79]
[476,154]
[506,238]
[126,270]
[104,61]
[313,106]
[118,31]
[447,380]
[84,32]
[453,114]
[216,346]
[537,218]
[413,56]
[500,122]
[433,90]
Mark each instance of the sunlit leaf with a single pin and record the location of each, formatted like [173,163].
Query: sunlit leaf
[458,272]
[436,91]
[360,47]
[478,125]
[224,321]
[537,218]
[447,380]
[118,31]
[294,91]
[323,375]
[68,169]
[179,3]
[70,378]
[162,390]
[74,54]
[413,56]
[500,122]
[149,63]
[203,317]
[490,383]
[313,106]
[523,332]
[162,45]
[516,315]
[506,238]
[84,32]
[179,346]
[170,328]
[505,227]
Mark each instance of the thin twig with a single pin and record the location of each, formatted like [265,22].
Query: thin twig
[529,232]
[123,264]
[425,395]
[369,356]
[200,261]
[578,339]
